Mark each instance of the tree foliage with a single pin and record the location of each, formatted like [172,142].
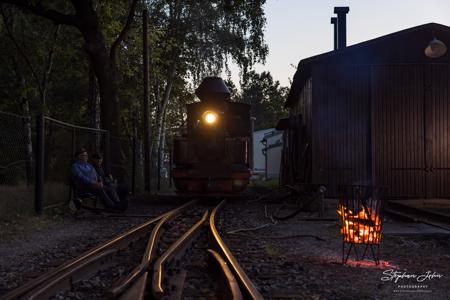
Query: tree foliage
[27,42]
[200,36]
[189,39]
[266,97]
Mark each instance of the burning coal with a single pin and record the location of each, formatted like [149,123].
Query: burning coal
[360,212]
[362,227]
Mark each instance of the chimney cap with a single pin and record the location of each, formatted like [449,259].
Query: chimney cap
[214,87]
[341,9]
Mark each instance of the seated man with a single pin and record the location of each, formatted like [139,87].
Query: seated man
[108,180]
[86,180]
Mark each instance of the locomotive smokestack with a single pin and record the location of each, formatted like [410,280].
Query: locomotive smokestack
[212,89]
[342,12]
[335,31]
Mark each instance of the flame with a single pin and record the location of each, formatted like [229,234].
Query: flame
[361,227]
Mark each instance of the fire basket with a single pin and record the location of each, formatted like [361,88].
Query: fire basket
[360,211]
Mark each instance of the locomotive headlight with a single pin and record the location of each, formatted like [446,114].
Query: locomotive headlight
[210,117]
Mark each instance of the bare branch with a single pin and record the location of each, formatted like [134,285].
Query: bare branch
[124,31]
[51,14]
[19,48]
[47,71]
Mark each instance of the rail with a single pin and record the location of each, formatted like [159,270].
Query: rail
[63,280]
[174,251]
[232,290]
[235,283]
[137,278]
[246,284]
[57,276]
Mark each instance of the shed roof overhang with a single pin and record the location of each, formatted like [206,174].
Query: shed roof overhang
[406,46]
[282,124]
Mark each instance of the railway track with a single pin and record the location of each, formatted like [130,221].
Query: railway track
[177,255]
[408,213]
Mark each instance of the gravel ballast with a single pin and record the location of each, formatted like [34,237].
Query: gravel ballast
[32,246]
[289,259]
[298,259]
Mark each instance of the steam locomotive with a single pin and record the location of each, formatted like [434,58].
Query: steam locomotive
[212,157]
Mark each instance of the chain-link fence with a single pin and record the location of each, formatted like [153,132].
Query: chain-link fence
[160,168]
[36,157]
[126,171]
[61,142]
[16,163]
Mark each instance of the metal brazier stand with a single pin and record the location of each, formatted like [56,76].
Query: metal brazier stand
[360,210]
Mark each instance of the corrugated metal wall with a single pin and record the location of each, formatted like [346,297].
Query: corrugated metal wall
[388,122]
[437,104]
[303,106]
[411,126]
[294,161]
[397,131]
[297,159]
[340,125]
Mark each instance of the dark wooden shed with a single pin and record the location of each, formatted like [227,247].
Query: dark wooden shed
[375,112]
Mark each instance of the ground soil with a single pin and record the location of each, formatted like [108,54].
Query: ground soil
[290,259]
[30,246]
[299,259]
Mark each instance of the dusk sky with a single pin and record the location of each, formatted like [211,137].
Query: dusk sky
[297,29]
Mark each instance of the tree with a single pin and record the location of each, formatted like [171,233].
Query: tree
[266,97]
[234,93]
[198,38]
[189,39]
[83,16]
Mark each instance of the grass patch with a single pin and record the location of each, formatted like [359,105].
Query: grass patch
[24,226]
[271,184]
[56,193]
[272,251]
[16,201]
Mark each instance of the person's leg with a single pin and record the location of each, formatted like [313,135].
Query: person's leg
[106,200]
[111,192]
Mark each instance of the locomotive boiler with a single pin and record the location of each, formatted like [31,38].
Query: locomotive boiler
[212,156]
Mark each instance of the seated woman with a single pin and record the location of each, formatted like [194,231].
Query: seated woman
[86,180]
[108,180]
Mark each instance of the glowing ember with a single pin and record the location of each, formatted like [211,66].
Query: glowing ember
[383,264]
[360,227]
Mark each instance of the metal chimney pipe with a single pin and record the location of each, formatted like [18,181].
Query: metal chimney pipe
[335,30]
[342,12]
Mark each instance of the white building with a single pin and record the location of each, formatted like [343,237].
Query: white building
[267,146]
[259,160]
[273,144]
